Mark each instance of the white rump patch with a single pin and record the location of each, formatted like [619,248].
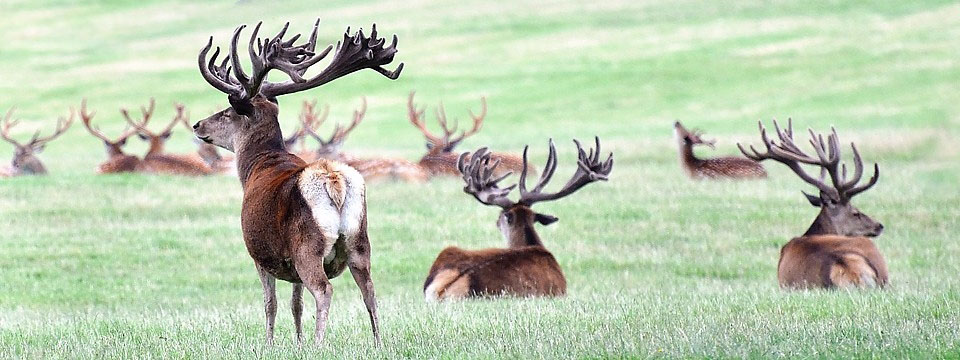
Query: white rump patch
[334,192]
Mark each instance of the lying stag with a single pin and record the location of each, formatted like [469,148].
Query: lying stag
[117,161]
[25,160]
[729,167]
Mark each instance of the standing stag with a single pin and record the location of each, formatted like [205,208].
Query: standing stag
[25,161]
[525,267]
[440,158]
[301,223]
[729,167]
[372,169]
[836,251]
[117,161]
[156,159]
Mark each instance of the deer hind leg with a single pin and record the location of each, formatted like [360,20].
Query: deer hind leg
[296,306]
[358,259]
[309,266]
[852,270]
[269,300]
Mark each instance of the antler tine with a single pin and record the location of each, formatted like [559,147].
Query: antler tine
[85,117]
[142,125]
[358,115]
[217,76]
[181,116]
[548,170]
[477,124]
[7,125]
[589,169]
[62,126]
[477,174]
[416,118]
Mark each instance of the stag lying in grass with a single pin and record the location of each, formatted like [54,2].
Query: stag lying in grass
[729,167]
[836,251]
[301,223]
[156,160]
[440,158]
[25,160]
[525,267]
[117,161]
[372,169]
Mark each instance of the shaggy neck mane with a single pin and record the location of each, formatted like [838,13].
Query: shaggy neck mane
[261,146]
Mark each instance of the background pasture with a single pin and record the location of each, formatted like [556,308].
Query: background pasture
[153,267]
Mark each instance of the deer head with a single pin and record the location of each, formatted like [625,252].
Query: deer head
[449,140]
[251,119]
[114,146]
[837,216]
[690,138]
[156,139]
[516,217]
[24,155]
[311,121]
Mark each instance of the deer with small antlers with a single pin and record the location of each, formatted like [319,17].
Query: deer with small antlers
[440,158]
[729,167]
[156,159]
[302,223]
[525,267]
[836,250]
[117,161]
[372,169]
[25,160]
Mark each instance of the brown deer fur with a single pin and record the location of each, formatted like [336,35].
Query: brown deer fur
[157,160]
[301,223]
[525,267]
[729,167]
[836,250]
[117,161]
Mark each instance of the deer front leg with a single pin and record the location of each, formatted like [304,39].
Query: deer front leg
[309,266]
[296,304]
[358,259]
[269,300]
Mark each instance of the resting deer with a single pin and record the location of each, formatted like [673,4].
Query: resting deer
[302,223]
[25,161]
[440,158]
[372,169]
[729,167]
[117,161]
[836,250]
[525,267]
[156,159]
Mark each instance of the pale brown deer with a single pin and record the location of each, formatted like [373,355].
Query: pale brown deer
[440,158]
[25,160]
[525,268]
[302,223]
[836,251]
[372,169]
[117,161]
[157,160]
[728,167]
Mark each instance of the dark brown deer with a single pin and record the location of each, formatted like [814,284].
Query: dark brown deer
[440,158]
[836,251]
[117,161]
[372,169]
[729,167]
[156,159]
[25,160]
[525,267]
[301,223]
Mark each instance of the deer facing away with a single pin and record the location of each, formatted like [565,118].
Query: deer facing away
[302,223]
[25,160]
[525,267]
[117,161]
[729,167]
[372,169]
[836,251]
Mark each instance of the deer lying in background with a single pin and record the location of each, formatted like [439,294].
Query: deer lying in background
[525,267]
[836,250]
[729,167]
[117,161]
[440,158]
[25,161]
[302,223]
[156,160]
[372,169]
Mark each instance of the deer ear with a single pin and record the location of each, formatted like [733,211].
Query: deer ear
[121,142]
[816,201]
[429,146]
[39,149]
[166,135]
[544,219]
[142,137]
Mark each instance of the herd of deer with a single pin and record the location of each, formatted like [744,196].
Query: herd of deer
[304,215]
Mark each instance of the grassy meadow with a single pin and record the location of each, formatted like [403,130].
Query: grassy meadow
[133,266]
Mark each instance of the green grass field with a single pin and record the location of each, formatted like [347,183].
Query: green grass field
[144,267]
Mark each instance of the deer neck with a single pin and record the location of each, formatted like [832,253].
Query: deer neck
[821,226]
[262,140]
[156,147]
[522,235]
[687,158]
